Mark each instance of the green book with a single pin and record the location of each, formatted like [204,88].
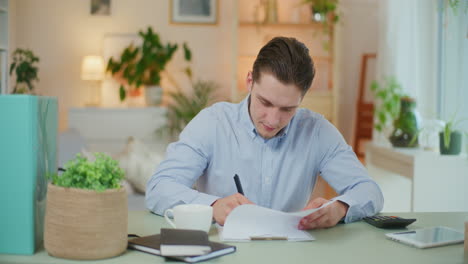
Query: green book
[28,132]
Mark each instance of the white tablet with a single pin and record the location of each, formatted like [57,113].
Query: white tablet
[428,237]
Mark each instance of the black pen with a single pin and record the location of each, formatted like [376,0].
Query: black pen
[238,184]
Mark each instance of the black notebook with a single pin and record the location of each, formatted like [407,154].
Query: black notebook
[184,242]
[152,244]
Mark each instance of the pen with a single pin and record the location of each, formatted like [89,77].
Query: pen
[238,184]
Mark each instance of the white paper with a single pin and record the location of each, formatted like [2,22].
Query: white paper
[250,220]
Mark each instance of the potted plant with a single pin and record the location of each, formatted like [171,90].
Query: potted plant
[450,139]
[25,68]
[323,10]
[387,103]
[142,65]
[184,107]
[406,126]
[86,210]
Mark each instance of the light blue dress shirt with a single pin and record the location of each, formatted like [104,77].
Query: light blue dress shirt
[278,173]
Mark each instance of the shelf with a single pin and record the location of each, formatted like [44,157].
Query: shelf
[3,10]
[299,25]
[3,48]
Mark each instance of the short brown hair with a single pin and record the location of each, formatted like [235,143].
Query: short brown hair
[288,60]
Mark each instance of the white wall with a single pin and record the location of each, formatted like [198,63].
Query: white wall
[356,34]
[61,33]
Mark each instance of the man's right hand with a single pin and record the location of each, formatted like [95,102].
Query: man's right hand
[223,207]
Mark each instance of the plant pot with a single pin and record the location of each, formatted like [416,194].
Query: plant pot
[454,147]
[153,95]
[406,126]
[85,224]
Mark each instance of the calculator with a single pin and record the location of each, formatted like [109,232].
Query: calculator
[383,221]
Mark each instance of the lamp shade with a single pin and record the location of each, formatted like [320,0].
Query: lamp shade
[92,68]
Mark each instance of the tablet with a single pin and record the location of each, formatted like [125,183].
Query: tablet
[428,237]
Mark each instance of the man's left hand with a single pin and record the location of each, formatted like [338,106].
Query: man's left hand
[326,217]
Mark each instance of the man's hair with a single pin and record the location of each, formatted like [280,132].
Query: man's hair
[288,60]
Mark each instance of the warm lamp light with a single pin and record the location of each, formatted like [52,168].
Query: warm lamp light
[92,69]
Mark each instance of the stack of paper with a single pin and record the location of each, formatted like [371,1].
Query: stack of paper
[251,222]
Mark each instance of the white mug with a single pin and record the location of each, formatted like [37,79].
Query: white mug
[191,216]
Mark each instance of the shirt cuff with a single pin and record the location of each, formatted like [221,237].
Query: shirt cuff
[350,216]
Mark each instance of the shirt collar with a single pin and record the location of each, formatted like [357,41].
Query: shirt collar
[245,119]
[249,125]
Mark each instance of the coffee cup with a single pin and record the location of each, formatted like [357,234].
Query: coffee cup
[190,216]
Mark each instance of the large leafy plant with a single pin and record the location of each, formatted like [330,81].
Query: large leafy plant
[102,174]
[143,65]
[25,68]
[185,106]
[387,101]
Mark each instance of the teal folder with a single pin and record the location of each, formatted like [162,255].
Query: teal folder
[28,136]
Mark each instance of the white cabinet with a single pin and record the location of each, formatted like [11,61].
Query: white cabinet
[419,181]
[108,129]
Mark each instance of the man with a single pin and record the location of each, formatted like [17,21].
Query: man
[276,149]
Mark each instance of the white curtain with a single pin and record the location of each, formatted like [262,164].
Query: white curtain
[453,89]
[407,49]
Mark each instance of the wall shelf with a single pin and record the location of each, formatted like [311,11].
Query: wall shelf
[296,25]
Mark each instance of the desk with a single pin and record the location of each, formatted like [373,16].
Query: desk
[357,242]
[428,182]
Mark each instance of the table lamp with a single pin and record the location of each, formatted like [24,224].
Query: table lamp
[92,69]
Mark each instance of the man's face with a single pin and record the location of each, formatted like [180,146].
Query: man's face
[272,104]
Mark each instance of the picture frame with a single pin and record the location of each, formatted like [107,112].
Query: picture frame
[201,12]
[100,7]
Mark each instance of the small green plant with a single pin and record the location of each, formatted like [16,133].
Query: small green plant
[184,107]
[387,101]
[25,68]
[324,7]
[450,127]
[455,5]
[99,175]
[143,65]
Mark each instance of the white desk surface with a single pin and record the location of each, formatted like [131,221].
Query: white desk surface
[357,242]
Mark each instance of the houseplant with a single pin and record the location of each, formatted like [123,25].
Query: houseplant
[183,107]
[142,65]
[323,10]
[450,139]
[393,107]
[25,68]
[387,102]
[86,211]
[406,126]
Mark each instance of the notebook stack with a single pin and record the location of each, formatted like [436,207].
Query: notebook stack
[181,244]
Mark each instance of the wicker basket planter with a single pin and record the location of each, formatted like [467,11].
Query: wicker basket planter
[85,224]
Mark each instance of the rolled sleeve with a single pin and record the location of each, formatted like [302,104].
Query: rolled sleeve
[185,162]
[340,167]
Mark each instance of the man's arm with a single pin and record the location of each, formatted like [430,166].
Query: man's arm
[185,162]
[359,195]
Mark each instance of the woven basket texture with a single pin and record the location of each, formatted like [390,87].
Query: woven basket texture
[85,224]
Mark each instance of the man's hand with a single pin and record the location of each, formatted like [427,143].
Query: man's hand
[325,217]
[223,207]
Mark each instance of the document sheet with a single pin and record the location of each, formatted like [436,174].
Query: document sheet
[252,222]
